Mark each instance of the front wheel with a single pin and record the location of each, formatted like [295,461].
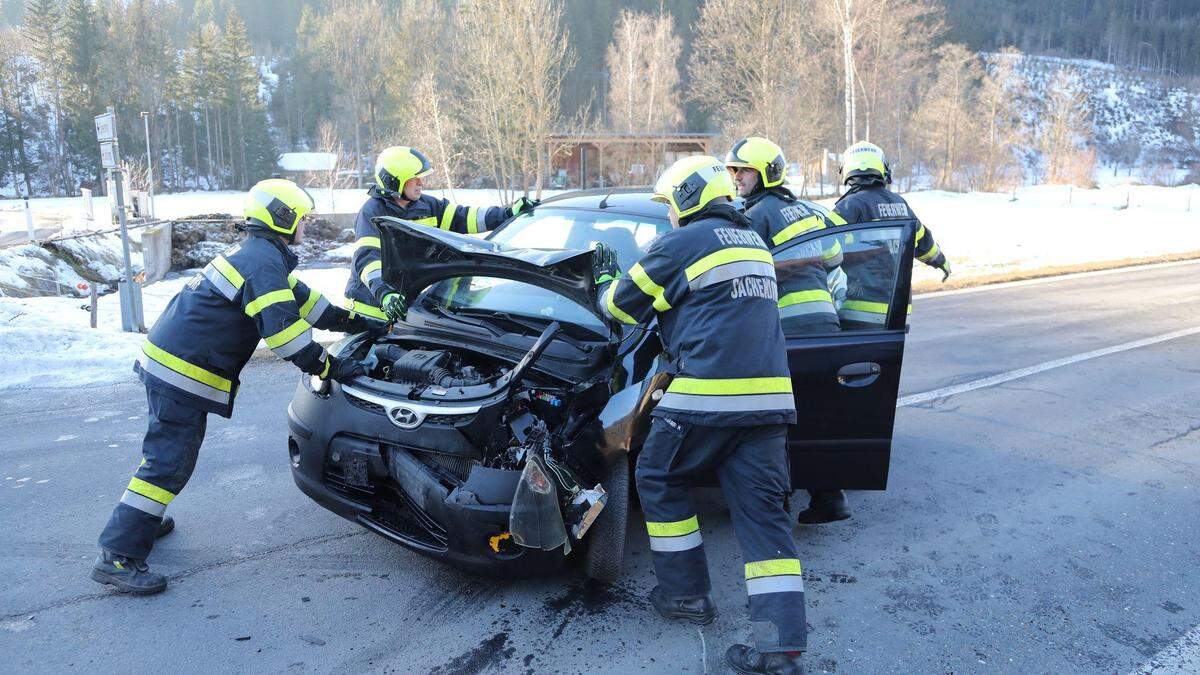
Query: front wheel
[606,540]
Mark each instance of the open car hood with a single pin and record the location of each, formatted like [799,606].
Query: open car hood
[416,257]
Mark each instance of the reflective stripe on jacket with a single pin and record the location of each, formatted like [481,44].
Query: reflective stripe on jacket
[366,288]
[779,217]
[210,329]
[711,283]
[867,301]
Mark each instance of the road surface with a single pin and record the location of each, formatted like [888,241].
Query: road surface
[1044,522]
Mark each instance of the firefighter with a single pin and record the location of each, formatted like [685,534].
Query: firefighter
[192,357]
[866,171]
[398,192]
[710,282]
[805,302]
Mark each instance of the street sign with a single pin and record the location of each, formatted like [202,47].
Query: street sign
[106,127]
[109,155]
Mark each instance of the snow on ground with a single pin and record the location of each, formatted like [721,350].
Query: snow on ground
[67,212]
[988,234]
[49,343]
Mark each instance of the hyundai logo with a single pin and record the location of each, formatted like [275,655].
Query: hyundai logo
[405,418]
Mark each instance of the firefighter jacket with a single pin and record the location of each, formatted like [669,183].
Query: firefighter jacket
[711,283]
[867,201]
[210,329]
[366,287]
[779,217]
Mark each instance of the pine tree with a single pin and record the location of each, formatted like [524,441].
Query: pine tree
[81,93]
[43,30]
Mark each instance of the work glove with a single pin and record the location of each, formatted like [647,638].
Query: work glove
[395,306]
[945,267]
[523,205]
[361,324]
[605,267]
[341,370]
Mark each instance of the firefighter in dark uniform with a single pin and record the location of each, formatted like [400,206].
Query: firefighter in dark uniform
[398,193]
[805,302]
[865,170]
[711,284]
[192,357]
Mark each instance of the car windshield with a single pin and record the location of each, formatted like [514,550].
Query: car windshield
[551,228]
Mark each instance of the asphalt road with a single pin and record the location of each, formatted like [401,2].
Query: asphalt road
[1046,524]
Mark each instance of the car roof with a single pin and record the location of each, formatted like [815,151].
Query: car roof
[631,200]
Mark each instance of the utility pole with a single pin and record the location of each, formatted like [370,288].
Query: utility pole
[110,158]
[149,164]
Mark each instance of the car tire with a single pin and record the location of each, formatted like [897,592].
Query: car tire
[606,541]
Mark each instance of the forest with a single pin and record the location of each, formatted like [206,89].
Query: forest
[227,85]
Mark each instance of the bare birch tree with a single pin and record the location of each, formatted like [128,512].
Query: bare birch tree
[947,118]
[431,122]
[1002,96]
[756,69]
[512,85]
[644,74]
[1065,136]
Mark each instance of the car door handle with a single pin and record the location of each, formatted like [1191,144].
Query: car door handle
[858,374]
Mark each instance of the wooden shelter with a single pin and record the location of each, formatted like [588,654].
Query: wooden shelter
[608,159]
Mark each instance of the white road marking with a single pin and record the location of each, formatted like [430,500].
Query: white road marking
[1052,279]
[914,399]
[1181,656]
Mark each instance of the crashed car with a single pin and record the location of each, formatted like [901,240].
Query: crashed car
[496,427]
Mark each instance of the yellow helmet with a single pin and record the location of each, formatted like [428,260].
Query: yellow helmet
[277,203]
[762,155]
[864,159]
[691,183]
[399,164]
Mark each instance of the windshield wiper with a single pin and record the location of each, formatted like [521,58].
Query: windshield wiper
[455,316]
[531,323]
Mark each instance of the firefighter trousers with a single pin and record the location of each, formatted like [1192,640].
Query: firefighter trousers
[169,453]
[751,465]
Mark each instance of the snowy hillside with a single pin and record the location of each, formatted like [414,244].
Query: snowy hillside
[1139,119]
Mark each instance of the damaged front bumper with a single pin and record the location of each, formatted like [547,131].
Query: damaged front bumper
[441,504]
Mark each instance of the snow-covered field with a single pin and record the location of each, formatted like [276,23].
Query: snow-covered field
[49,343]
[68,212]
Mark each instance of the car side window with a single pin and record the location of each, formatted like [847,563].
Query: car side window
[842,281]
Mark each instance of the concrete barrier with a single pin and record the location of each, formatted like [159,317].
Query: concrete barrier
[156,251]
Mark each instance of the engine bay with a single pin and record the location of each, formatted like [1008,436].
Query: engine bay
[532,424]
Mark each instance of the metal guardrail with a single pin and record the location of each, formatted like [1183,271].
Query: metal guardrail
[96,233]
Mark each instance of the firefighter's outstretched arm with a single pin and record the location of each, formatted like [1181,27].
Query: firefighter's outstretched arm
[475,219]
[928,251]
[269,298]
[654,284]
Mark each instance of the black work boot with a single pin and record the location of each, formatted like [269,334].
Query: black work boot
[129,575]
[165,527]
[749,661]
[700,611]
[825,506]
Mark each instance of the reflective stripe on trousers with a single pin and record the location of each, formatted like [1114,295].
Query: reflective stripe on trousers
[174,433]
[751,464]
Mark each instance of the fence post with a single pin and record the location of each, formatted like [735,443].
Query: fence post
[29,221]
[1070,192]
[93,297]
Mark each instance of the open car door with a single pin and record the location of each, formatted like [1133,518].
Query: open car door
[846,380]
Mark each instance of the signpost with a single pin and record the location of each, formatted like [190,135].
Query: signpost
[110,158]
